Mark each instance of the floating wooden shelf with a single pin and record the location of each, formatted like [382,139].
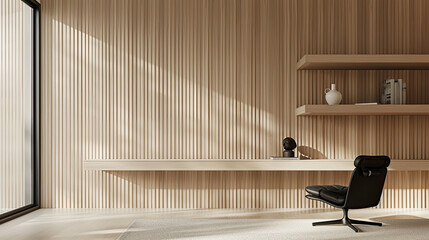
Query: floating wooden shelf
[243,165]
[363,61]
[315,110]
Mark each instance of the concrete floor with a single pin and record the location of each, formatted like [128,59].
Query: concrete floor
[111,223]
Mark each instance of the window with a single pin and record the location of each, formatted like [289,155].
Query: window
[19,107]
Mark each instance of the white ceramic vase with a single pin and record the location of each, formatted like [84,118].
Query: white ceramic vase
[333,97]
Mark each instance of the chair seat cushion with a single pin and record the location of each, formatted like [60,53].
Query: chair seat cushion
[332,193]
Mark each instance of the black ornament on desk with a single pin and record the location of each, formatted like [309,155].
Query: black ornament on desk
[289,145]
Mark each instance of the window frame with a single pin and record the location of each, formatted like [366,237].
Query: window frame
[36,118]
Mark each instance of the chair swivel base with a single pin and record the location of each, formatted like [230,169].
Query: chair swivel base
[347,221]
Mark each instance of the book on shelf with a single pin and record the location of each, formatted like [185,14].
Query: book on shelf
[394,91]
[398,89]
[388,93]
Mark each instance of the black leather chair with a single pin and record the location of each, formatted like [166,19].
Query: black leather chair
[364,190]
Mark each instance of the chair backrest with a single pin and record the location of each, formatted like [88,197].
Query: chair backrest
[367,181]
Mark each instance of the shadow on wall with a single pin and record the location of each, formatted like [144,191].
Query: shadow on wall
[165,83]
[214,189]
[153,79]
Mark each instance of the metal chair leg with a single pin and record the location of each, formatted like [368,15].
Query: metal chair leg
[339,221]
[365,222]
[347,221]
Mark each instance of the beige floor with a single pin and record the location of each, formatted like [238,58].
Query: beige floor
[110,223]
[3,210]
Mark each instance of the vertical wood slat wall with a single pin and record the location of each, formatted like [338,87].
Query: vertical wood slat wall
[12,144]
[216,79]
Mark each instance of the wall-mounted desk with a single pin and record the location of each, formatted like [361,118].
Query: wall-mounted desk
[241,165]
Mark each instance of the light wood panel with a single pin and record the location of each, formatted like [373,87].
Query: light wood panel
[192,79]
[242,165]
[352,109]
[364,61]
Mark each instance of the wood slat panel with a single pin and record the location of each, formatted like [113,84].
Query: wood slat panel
[200,79]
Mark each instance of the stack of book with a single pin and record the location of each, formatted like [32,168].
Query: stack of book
[394,91]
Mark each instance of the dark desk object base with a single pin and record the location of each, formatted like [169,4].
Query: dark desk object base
[347,221]
[288,153]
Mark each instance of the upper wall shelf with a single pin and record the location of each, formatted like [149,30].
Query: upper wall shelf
[363,61]
[343,109]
